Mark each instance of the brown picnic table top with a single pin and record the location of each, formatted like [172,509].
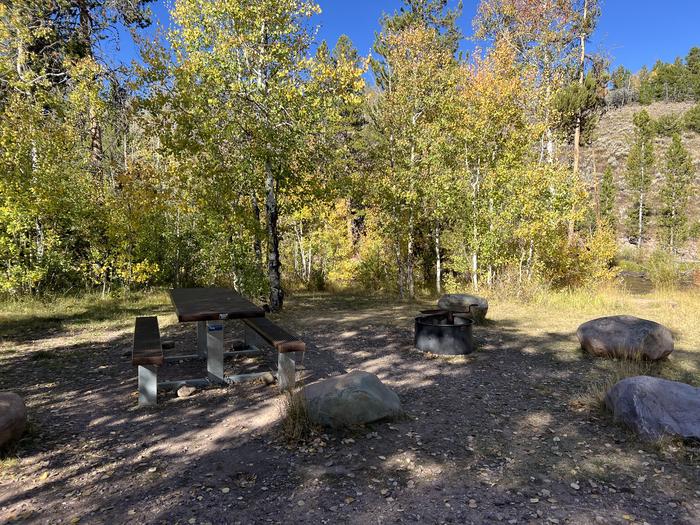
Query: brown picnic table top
[212,304]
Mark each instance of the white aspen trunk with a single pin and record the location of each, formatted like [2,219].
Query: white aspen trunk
[550,146]
[309,261]
[577,132]
[257,247]
[399,265]
[641,220]
[475,230]
[520,266]
[299,230]
[438,261]
[409,260]
[39,240]
[296,257]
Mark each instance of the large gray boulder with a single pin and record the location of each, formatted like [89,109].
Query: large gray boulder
[457,302]
[13,417]
[350,400]
[655,407]
[626,337]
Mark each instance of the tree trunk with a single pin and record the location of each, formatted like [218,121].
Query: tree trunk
[438,261]
[299,230]
[273,252]
[577,132]
[640,226]
[400,267]
[257,246]
[96,148]
[475,268]
[409,259]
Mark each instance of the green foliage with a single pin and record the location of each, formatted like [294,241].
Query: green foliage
[692,119]
[679,173]
[663,270]
[621,78]
[676,81]
[669,125]
[608,198]
[237,153]
[639,174]
[575,102]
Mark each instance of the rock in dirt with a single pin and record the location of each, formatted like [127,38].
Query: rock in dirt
[186,391]
[13,417]
[351,399]
[462,303]
[626,337]
[655,407]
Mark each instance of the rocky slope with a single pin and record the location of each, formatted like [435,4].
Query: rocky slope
[611,145]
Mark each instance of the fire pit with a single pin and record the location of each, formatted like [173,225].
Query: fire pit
[442,332]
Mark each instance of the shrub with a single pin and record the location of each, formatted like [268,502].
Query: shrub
[663,270]
[668,125]
[296,423]
[692,119]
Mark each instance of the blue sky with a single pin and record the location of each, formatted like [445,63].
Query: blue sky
[631,32]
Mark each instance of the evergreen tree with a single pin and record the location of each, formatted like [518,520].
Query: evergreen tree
[678,177]
[608,195]
[646,89]
[691,119]
[640,166]
[433,14]
[621,78]
[577,106]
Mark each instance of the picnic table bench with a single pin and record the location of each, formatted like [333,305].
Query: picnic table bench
[290,349]
[208,307]
[147,354]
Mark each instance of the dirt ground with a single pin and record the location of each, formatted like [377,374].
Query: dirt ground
[498,437]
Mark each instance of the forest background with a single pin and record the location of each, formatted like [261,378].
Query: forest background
[240,151]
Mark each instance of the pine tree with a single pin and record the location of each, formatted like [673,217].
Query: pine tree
[678,174]
[621,78]
[608,195]
[434,14]
[640,166]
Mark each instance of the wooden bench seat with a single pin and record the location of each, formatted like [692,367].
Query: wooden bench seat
[290,348]
[276,336]
[147,354]
[147,349]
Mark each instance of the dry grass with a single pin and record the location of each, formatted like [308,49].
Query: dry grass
[561,313]
[594,396]
[297,425]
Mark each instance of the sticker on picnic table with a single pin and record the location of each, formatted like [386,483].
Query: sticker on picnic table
[223,316]
[215,327]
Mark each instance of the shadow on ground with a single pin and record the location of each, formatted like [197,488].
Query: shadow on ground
[493,437]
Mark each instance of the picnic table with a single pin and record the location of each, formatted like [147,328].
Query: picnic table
[209,308]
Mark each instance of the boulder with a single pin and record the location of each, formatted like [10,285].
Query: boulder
[655,407]
[626,337]
[13,417]
[461,303]
[351,399]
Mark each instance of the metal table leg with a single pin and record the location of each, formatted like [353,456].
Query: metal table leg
[215,351]
[202,338]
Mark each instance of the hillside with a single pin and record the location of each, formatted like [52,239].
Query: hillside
[611,146]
